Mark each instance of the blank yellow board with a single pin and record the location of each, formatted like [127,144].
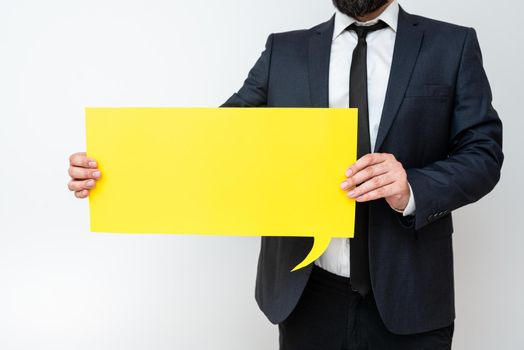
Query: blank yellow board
[223,171]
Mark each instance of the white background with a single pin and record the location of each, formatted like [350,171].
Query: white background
[62,287]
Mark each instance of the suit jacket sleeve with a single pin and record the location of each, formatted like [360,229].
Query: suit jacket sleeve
[472,167]
[254,91]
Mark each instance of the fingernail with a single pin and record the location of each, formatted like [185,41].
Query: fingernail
[344,185]
[351,194]
[348,173]
[90,183]
[96,174]
[92,164]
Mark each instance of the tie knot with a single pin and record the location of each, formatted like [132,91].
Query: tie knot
[363,31]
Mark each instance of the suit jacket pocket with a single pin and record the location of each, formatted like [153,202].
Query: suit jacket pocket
[428,91]
[438,229]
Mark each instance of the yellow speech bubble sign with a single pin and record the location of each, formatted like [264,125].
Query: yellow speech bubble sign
[223,171]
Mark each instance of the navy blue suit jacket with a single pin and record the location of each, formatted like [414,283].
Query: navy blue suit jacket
[438,121]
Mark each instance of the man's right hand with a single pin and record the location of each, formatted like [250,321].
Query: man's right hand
[84,173]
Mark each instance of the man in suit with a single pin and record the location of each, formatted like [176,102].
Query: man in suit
[429,142]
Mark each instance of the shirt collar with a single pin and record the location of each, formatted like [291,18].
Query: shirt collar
[389,16]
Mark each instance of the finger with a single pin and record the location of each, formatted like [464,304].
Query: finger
[82,194]
[382,192]
[371,185]
[77,186]
[81,160]
[365,161]
[82,173]
[365,174]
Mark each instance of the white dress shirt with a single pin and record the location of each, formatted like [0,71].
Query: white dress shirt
[380,45]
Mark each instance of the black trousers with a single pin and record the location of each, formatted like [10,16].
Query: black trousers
[329,316]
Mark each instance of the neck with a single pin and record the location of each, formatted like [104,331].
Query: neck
[372,15]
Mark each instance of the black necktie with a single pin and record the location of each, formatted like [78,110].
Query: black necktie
[358,98]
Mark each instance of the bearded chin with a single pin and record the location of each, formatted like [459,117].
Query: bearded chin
[358,8]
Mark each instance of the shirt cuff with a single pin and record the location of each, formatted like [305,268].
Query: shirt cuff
[411,207]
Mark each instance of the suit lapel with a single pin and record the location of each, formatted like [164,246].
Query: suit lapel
[318,64]
[407,48]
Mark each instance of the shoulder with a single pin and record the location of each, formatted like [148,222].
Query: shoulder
[299,35]
[441,29]
[445,35]
[432,23]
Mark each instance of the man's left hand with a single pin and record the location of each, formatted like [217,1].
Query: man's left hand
[375,176]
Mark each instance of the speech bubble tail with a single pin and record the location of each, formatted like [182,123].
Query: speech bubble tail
[320,244]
